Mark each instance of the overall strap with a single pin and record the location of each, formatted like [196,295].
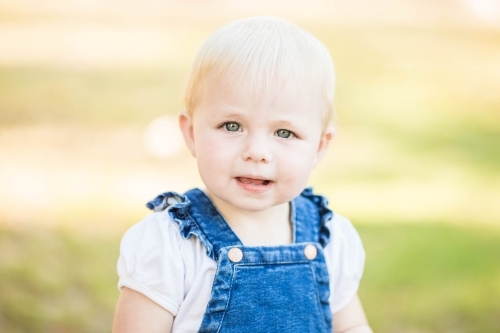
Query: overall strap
[196,216]
[214,229]
[309,215]
[305,220]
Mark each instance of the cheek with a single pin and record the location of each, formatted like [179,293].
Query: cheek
[302,153]
[214,154]
[211,146]
[297,165]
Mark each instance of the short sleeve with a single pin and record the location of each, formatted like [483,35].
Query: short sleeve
[345,257]
[151,261]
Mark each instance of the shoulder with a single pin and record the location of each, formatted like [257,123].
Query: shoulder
[345,246]
[345,258]
[157,261]
[342,230]
[152,260]
[155,228]
[155,236]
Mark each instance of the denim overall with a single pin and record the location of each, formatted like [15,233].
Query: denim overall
[260,288]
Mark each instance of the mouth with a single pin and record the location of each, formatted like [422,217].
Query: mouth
[253,181]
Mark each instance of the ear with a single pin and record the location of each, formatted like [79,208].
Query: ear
[186,126]
[324,142]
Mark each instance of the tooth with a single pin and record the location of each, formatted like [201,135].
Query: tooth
[246,180]
[252,181]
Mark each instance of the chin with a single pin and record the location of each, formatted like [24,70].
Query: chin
[251,207]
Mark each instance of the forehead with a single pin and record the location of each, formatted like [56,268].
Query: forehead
[279,99]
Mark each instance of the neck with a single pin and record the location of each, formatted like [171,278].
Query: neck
[268,227]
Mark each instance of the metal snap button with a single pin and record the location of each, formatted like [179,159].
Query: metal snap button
[235,254]
[310,251]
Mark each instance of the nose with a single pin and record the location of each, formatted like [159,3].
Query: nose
[257,148]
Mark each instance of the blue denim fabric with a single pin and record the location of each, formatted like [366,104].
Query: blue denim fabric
[273,288]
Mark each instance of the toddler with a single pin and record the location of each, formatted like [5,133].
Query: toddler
[254,251]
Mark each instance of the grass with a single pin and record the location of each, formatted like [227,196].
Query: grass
[55,281]
[418,278]
[431,278]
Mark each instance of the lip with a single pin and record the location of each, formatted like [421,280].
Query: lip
[254,184]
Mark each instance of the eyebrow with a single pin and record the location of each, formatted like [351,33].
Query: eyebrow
[222,113]
[283,123]
[225,113]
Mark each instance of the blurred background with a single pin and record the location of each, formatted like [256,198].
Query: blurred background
[89,92]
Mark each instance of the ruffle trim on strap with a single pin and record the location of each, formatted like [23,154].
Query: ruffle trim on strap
[324,212]
[177,206]
[165,200]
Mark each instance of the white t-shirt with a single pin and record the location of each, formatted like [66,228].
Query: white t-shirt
[177,274]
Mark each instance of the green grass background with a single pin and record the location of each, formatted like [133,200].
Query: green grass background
[415,165]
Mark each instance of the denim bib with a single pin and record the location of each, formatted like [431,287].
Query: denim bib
[260,288]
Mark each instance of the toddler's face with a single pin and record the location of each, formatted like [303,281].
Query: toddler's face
[255,151]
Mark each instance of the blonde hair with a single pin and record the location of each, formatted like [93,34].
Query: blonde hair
[262,51]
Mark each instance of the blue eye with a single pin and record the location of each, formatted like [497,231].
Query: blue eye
[283,133]
[232,126]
